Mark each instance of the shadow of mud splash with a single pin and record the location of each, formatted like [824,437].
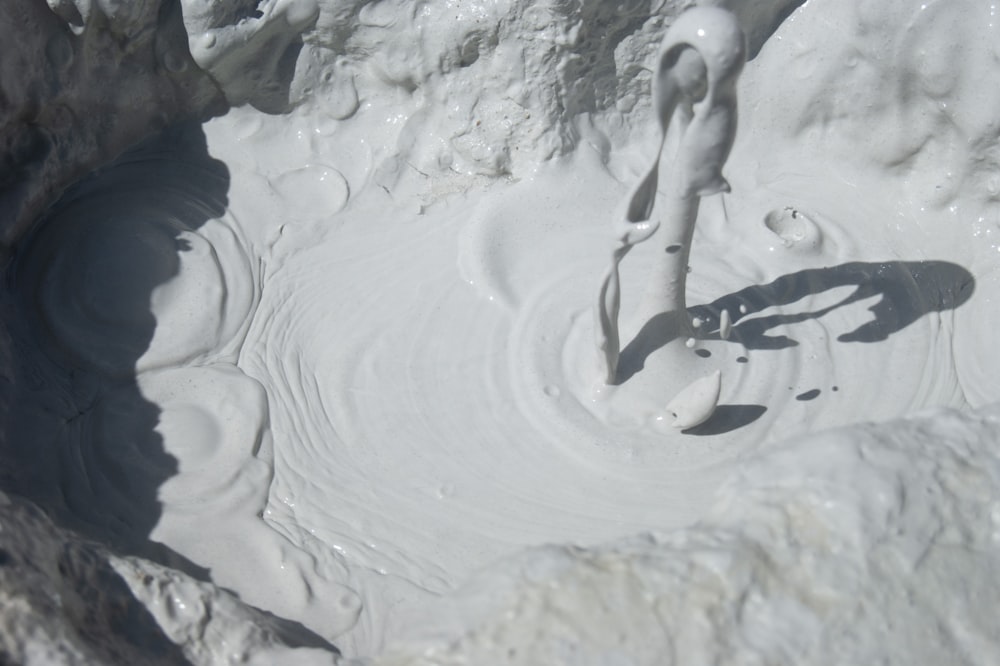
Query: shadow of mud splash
[77,308]
[727,418]
[908,290]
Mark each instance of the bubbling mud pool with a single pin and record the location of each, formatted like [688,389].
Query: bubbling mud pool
[357,397]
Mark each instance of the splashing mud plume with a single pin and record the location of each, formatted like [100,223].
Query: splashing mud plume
[698,65]
[299,358]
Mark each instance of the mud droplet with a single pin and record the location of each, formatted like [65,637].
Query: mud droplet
[696,403]
[725,325]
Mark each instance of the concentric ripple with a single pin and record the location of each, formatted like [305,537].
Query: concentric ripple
[140,287]
[430,382]
[431,414]
[140,268]
[195,450]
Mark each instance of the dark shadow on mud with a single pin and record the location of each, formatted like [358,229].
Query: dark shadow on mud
[727,418]
[654,334]
[759,31]
[907,291]
[109,493]
[273,92]
[57,399]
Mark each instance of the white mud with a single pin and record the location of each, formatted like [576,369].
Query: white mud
[341,359]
